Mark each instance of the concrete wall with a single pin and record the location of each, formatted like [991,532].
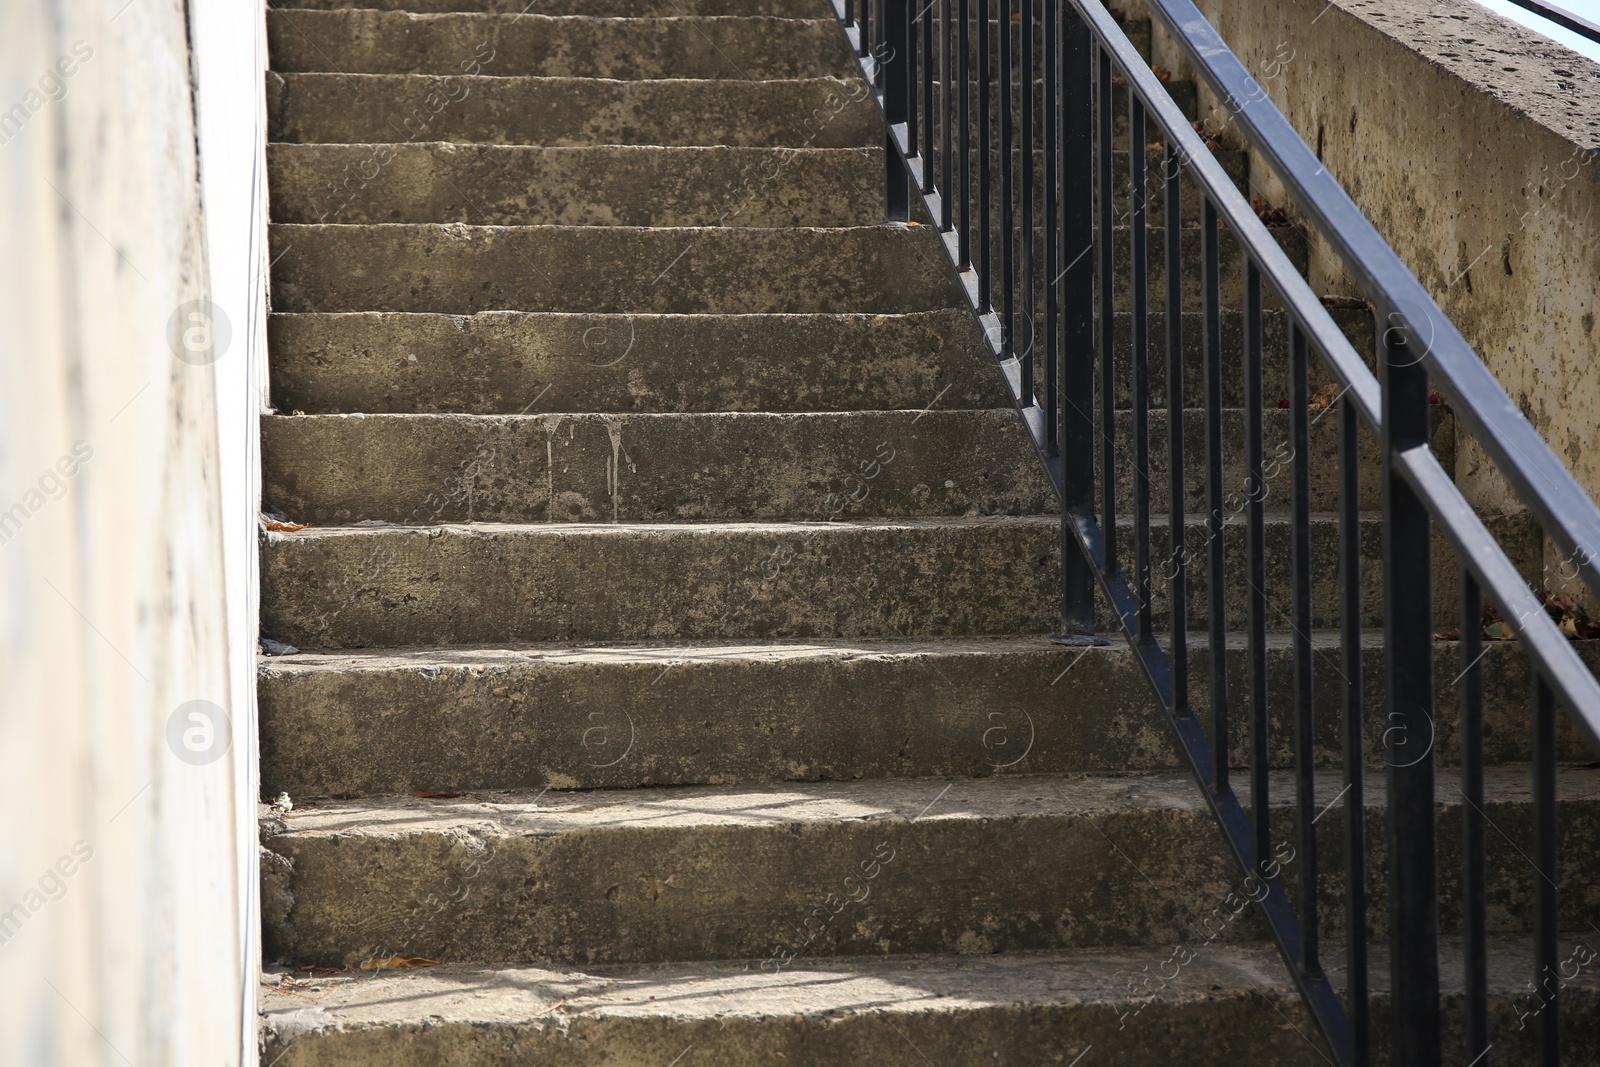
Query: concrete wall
[121,924]
[1473,144]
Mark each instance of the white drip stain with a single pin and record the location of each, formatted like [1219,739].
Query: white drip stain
[613,465]
[552,423]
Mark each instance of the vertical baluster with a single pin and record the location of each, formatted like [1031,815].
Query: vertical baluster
[1355,750]
[867,43]
[925,26]
[1025,319]
[1304,724]
[895,67]
[985,150]
[1177,568]
[946,142]
[1052,238]
[1217,638]
[1474,875]
[1008,252]
[1256,563]
[1546,919]
[964,149]
[1408,654]
[1140,276]
[1106,285]
[849,12]
[914,146]
[1076,350]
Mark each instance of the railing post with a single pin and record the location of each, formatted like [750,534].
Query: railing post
[1076,375]
[895,65]
[1409,719]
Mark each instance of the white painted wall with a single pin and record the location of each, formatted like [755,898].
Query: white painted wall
[126,532]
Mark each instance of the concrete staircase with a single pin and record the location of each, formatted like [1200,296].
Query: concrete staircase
[674,595]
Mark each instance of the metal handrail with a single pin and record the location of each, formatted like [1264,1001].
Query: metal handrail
[1561,17]
[1084,52]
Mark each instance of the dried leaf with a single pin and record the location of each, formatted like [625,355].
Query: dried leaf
[284,527]
[395,963]
[1162,73]
[1323,397]
[428,794]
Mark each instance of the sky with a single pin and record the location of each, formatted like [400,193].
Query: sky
[1588,9]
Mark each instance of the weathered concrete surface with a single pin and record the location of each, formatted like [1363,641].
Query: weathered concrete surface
[1232,1004]
[960,865]
[807,9]
[720,714]
[460,269]
[355,587]
[509,362]
[607,185]
[364,108]
[1470,142]
[1277,481]
[534,44]
[759,467]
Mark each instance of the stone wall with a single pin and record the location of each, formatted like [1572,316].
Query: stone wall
[1473,144]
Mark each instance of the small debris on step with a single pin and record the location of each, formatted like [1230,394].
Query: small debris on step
[276,648]
[396,963]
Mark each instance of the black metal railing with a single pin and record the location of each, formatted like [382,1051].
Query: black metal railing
[927,63]
[1562,17]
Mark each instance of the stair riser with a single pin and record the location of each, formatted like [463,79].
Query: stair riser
[605,186]
[1182,93]
[503,363]
[373,42]
[372,108]
[640,9]
[1214,1030]
[1356,323]
[651,893]
[605,269]
[336,469]
[1322,458]
[709,717]
[1516,534]
[485,585]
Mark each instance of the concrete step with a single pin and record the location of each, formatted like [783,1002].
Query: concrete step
[509,362]
[956,865]
[355,41]
[1322,459]
[605,185]
[1356,323]
[377,586]
[802,9]
[394,721]
[1235,163]
[1231,1003]
[893,1011]
[758,467]
[459,269]
[368,108]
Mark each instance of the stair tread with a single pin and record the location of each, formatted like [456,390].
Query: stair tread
[535,813]
[816,987]
[459,657]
